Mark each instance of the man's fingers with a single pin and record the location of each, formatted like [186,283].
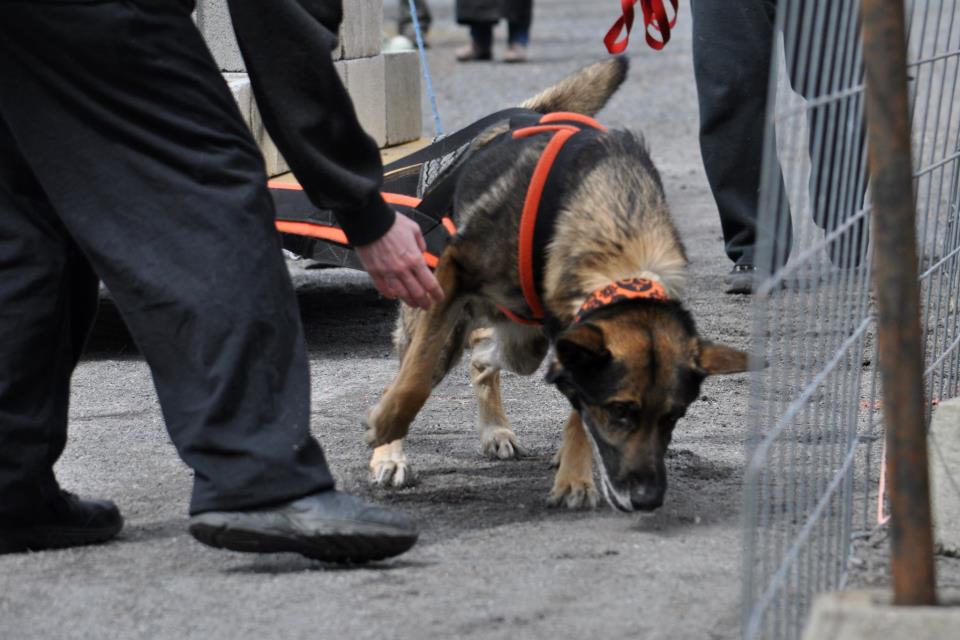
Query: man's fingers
[430,283]
[383,286]
[401,291]
[417,295]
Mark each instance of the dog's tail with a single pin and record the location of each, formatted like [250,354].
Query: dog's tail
[586,91]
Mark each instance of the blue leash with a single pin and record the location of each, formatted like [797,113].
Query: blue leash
[437,126]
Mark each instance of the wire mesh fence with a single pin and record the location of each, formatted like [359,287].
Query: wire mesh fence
[815,454]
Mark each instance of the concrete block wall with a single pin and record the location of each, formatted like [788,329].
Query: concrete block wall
[365,82]
[402,88]
[239,85]
[361,30]
[945,474]
[385,88]
[213,20]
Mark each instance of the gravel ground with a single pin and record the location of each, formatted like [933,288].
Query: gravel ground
[493,560]
[869,566]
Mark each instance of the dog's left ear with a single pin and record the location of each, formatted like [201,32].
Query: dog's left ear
[715,359]
[582,348]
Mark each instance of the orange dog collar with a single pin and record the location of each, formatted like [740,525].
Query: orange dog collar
[626,289]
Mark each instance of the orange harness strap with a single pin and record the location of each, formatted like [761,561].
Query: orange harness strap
[558,125]
[531,206]
[336,234]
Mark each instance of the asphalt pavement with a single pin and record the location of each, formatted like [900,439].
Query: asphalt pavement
[493,560]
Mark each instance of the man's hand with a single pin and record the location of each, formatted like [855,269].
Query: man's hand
[395,262]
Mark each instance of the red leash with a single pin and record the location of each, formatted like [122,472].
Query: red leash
[656,24]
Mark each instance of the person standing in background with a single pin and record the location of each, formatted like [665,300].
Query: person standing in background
[732,55]
[405,20]
[481,16]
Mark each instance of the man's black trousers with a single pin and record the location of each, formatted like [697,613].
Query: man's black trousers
[732,53]
[123,157]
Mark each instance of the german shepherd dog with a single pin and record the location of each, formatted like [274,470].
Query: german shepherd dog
[630,368]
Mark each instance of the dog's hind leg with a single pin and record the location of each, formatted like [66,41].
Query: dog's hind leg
[497,439]
[517,349]
[390,419]
[573,484]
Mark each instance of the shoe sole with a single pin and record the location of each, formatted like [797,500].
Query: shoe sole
[741,289]
[483,57]
[43,538]
[340,547]
[739,284]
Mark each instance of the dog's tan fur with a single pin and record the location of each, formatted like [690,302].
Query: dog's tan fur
[613,222]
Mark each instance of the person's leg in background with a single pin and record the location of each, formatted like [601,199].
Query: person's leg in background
[481,43]
[48,300]
[405,19]
[480,16]
[519,15]
[732,48]
[133,135]
[824,57]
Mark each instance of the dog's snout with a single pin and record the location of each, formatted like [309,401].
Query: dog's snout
[646,496]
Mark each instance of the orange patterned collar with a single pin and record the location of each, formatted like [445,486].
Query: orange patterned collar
[626,289]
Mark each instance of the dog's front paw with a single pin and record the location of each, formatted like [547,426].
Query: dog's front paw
[389,467]
[573,493]
[392,474]
[499,443]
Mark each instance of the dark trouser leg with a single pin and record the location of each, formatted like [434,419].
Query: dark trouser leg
[518,33]
[134,137]
[48,299]
[838,178]
[482,35]
[519,15]
[732,48]
[405,20]
[823,55]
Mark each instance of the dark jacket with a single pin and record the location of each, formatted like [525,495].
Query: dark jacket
[479,11]
[308,113]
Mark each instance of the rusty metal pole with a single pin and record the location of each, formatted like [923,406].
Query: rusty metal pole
[898,302]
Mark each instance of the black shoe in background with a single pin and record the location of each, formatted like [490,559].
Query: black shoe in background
[410,34]
[68,521]
[741,279]
[331,526]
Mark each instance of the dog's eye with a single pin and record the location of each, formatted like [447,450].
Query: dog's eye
[622,411]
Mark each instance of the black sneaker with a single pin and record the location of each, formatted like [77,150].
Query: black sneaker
[68,521]
[331,526]
[741,279]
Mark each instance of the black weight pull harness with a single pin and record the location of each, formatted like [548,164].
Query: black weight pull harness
[313,233]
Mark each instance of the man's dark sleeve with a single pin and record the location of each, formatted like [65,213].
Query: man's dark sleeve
[286,46]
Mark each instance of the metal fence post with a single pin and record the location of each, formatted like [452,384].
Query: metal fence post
[898,301]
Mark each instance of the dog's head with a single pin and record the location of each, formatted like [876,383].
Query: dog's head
[631,370]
